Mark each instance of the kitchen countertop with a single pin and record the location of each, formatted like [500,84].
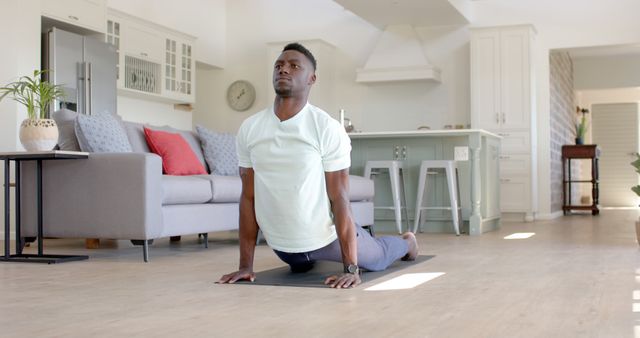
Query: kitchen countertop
[418,133]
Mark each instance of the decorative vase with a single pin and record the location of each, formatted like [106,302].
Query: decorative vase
[38,134]
[579,140]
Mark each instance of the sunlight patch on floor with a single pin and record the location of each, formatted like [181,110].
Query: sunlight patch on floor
[406,281]
[520,235]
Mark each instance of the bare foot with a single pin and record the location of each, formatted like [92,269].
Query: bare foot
[413,246]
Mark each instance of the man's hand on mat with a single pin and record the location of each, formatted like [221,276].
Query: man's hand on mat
[343,281]
[242,274]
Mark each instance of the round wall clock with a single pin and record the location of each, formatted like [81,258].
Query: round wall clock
[240,95]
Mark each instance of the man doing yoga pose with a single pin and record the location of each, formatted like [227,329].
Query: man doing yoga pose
[294,163]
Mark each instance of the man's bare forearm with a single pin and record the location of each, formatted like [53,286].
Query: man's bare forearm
[346,230]
[338,190]
[248,233]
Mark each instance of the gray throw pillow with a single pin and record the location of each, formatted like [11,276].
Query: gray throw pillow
[219,151]
[66,120]
[101,133]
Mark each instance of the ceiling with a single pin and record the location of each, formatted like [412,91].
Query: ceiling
[382,13]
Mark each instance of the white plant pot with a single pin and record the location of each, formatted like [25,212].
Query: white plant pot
[39,135]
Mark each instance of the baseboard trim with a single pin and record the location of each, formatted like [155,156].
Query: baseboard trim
[549,216]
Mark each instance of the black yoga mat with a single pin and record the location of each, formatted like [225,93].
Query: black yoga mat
[314,278]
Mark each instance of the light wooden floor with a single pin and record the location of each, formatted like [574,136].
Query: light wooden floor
[575,278]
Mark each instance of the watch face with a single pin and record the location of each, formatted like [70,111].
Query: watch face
[351,268]
[241,95]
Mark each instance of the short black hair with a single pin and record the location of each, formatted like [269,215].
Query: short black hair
[302,49]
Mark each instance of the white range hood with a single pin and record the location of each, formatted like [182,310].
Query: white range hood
[398,56]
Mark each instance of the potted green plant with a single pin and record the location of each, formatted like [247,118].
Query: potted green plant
[636,189]
[581,127]
[37,133]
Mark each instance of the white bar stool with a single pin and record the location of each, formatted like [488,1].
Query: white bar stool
[396,176]
[451,171]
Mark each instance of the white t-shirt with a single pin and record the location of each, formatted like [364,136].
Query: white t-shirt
[289,159]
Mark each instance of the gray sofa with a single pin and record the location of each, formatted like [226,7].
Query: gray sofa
[125,196]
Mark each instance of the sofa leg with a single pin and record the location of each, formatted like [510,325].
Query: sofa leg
[175,238]
[205,237]
[145,251]
[92,243]
[145,247]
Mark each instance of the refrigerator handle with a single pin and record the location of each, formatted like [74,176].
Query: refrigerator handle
[90,88]
[87,89]
[80,105]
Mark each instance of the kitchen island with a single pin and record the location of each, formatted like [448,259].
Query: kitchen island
[478,174]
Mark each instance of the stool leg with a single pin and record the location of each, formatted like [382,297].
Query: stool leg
[459,202]
[404,200]
[421,185]
[453,197]
[367,171]
[394,177]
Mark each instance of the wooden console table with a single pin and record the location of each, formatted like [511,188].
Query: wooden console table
[587,151]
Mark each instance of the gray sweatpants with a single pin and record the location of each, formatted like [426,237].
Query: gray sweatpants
[374,254]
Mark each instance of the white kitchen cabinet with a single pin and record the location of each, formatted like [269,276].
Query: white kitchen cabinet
[89,14]
[501,77]
[154,62]
[502,102]
[515,193]
[113,37]
[179,69]
[142,41]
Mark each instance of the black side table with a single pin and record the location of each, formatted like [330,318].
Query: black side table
[586,151]
[38,156]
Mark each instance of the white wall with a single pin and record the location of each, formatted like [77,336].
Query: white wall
[22,60]
[607,72]
[153,112]
[560,24]
[252,24]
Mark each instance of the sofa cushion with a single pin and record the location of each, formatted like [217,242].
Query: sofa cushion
[177,156]
[360,188]
[66,120]
[135,133]
[185,190]
[219,151]
[101,133]
[226,189]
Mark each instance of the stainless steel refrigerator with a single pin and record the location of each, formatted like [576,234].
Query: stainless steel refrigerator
[86,69]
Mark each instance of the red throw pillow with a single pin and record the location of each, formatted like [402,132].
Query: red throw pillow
[177,156]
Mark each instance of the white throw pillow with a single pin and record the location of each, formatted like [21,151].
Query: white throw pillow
[219,151]
[101,133]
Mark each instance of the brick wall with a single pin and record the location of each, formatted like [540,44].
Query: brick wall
[563,105]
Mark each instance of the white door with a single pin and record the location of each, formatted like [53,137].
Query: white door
[615,131]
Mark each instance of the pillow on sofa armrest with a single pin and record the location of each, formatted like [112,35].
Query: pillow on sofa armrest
[66,119]
[177,156]
[101,133]
[219,151]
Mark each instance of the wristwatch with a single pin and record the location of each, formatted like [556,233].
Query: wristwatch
[352,269]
